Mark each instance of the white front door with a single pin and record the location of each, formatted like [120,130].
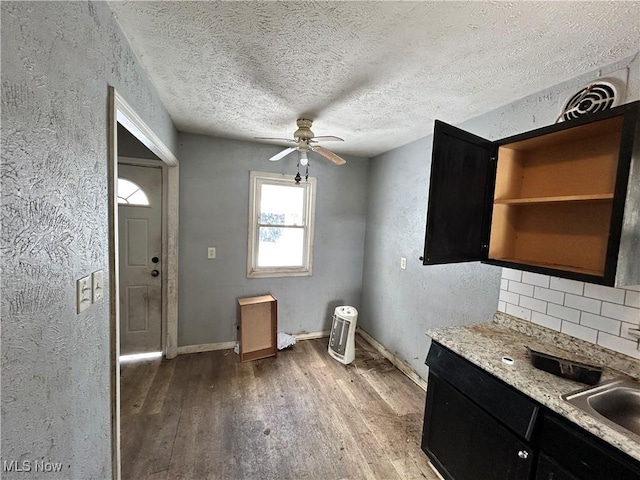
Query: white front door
[140,239]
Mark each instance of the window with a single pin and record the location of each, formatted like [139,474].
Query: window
[130,193]
[281,216]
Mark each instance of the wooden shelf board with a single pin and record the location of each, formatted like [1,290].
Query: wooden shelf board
[571,135]
[560,199]
[555,266]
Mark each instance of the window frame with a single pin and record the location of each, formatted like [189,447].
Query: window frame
[256,181]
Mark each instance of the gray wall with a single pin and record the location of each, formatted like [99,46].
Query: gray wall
[57,60]
[214,210]
[398,306]
[130,146]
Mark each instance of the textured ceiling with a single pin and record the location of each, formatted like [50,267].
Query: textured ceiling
[374,73]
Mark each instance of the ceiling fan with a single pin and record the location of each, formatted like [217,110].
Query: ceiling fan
[304,141]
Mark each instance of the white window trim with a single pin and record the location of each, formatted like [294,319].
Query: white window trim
[256,180]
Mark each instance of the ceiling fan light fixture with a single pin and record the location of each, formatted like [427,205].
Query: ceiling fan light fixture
[305,140]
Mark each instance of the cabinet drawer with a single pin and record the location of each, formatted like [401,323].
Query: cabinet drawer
[585,456]
[509,406]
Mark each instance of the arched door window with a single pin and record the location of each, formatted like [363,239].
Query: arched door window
[130,193]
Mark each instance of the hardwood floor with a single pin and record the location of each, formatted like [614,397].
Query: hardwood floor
[301,415]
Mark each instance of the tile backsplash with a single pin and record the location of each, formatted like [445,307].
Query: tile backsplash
[597,314]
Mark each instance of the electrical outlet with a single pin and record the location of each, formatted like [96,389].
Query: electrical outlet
[403,263]
[83,293]
[97,286]
[211,252]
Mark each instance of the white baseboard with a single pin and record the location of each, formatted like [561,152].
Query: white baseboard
[400,364]
[311,335]
[210,347]
[205,347]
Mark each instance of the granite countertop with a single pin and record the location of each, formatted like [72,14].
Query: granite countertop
[485,344]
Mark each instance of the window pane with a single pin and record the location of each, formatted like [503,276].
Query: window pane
[126,187]
[130,193]
[280,247]
[281,205]
[138,198]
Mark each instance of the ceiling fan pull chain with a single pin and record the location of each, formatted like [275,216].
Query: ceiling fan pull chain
[306,176]
[298,177]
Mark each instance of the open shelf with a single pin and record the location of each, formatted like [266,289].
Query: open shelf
[570,236]
[566,268]
[553,198]
[599,197]
[580,161]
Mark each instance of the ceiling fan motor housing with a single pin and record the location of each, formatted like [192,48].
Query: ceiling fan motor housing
[304,130]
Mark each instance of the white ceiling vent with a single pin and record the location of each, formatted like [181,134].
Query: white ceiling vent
[595,97]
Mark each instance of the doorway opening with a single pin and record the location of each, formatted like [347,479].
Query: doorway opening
[140,214]
[125,124]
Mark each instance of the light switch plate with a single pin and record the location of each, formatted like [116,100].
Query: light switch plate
[83,293]
[403,263]
[97,286]
[211,252]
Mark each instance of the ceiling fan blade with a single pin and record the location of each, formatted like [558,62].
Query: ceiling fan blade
[283,153]
[288,140]
[330,155]
[328,138]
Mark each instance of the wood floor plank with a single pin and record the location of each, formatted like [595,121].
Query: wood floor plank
[158,421]
[136,380]
[300,415]
[158,390]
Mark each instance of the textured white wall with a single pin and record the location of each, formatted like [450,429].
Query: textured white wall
[214,211]
[58,59]
[398,306]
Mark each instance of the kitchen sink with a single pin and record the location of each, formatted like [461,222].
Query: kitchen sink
[616,403]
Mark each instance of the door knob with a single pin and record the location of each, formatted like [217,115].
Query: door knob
[155,259]
[155,273]
[523,454]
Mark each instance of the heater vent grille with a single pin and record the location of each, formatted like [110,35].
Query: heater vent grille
[595,97]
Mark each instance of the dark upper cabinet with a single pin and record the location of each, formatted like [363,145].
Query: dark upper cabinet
[562,200]
[459,196]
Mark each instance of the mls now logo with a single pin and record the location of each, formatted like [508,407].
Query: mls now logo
[29,466]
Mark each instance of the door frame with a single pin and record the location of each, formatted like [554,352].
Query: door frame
[121,112]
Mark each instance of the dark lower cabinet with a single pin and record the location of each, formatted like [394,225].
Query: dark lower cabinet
[582,454]
[477,427]
[465,443]
[547,469]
